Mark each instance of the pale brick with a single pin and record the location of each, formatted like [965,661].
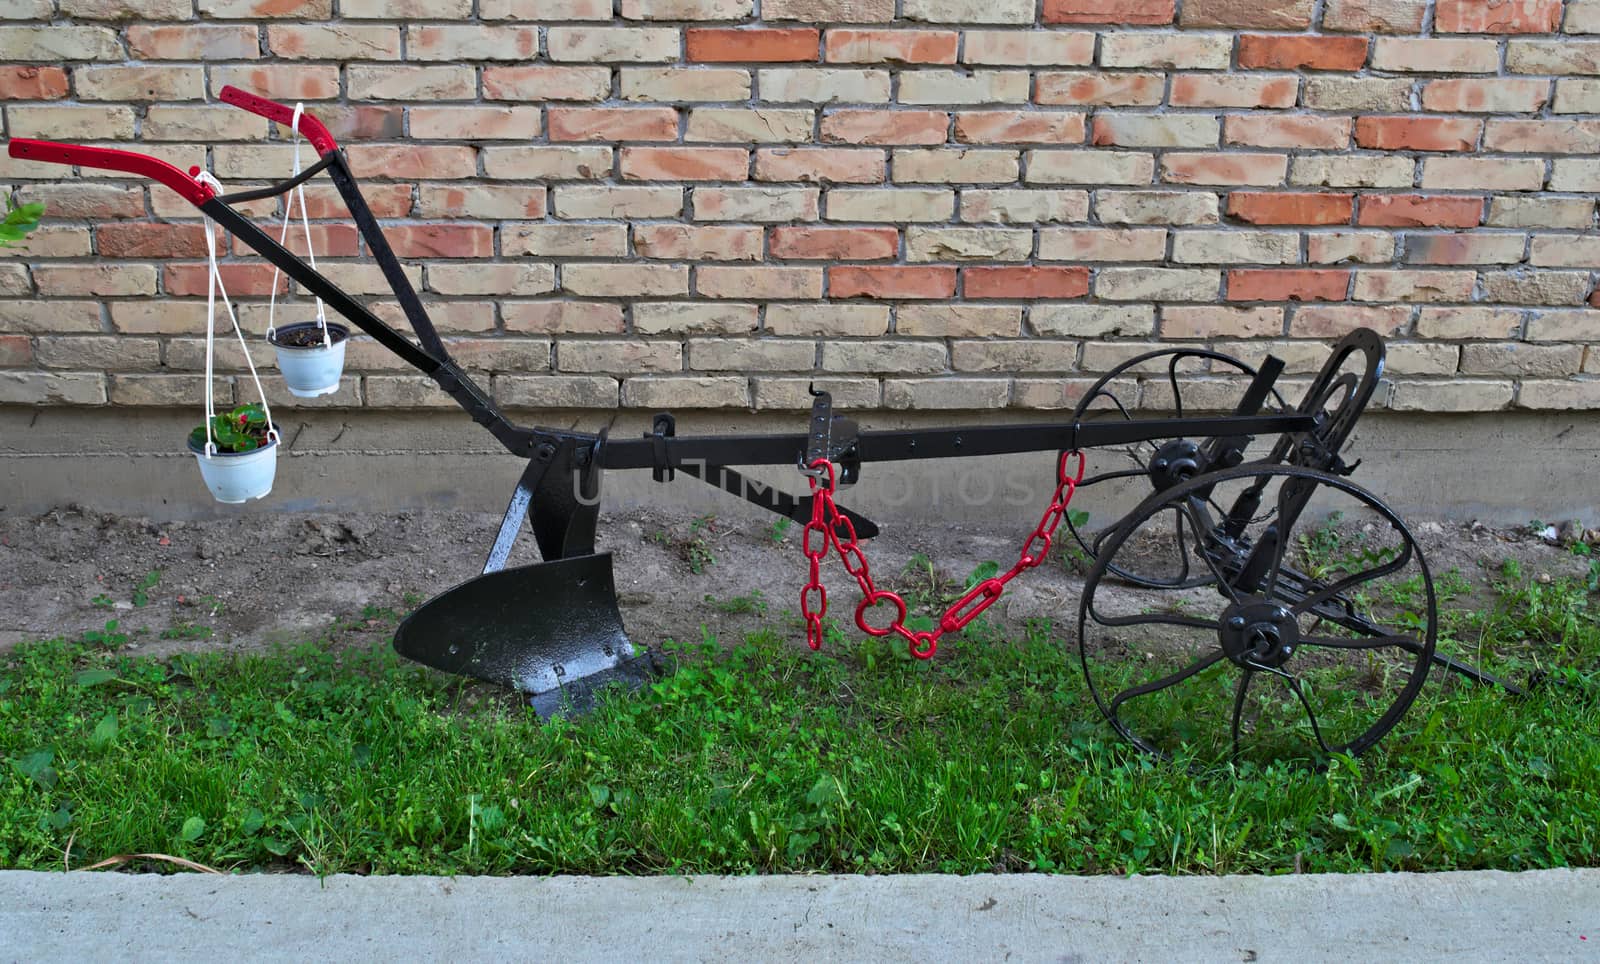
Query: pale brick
[73,123]
[794,394]
[564,240]
[482,123]
[556,391]
[745,125]
[1564,251]
[761,204]
[685,391]
[553,163]
[1157,284]
[79,200]
[1417,359]
[1151,130]
[836,165]
[823,85]
[1366,94]
[1225,168]
[1088,167]
[745,355]
[1577,96]
[759,283]
[895,205]
[537,84]
[856,321]
[1351,171]
[1102,244]
[194,42]
[1217,321]
[126,9]
[1017,127]
[1533,287]
[1560,395]
[826,11]
[489,201]
[412,83]
[562,317]
[491,279]
[1574,174]
[682,317]
[1512,358]
[1361,247]
[283,82]
[610,44]
[335,41]
[501,354]
[1235,247]
[1374,16]
[969,11]
[1464,248]
[1483,173]
[676,10]
[389,9]
[616,201]
[1568,325]
[619,357]
[97,352]
[956,87]
[1028,48]
[1194,51]
[1434,55]
[1156,207]
[96,279]
[52,388]
[1414,286]
[1024,206]
[684,84]
[1224,90]
[944,393]
[954,165]
[1329,322]
[1453,395]
[165,122]
[683,242]
[1472,322]
[882,356]
[959,321]
[624,280]
[1553,56]
[1027,355]
[968,244]
[1092,321]
[57,43]
[404,391]
[139,83]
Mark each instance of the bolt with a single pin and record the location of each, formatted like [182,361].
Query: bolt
[1160,465]
[1236,622]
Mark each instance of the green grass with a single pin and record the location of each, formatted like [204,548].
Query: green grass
[765,757]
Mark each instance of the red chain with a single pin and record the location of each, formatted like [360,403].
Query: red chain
[827,523]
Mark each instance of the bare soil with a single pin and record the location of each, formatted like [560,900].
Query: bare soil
[261,579]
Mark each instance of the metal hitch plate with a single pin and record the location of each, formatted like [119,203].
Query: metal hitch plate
[551,630]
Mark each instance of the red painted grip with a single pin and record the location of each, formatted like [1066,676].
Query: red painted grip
[111,159]
[310,127]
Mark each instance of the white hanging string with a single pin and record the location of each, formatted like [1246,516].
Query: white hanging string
[213,286]
[305,224]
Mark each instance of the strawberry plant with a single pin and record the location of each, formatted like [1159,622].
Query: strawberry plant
[244,429]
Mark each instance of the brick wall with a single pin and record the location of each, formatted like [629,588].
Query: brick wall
[933,203]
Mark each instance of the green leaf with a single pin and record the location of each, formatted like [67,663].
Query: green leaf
[105,732]
[600,794]
[33,210]
[275,846]
[36,767]
[93,677]
[252,823]
[192,829]
[985,570]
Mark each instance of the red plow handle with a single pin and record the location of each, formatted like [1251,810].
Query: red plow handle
[111,159]
[310,128]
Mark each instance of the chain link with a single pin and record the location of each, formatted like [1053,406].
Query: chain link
[837,530]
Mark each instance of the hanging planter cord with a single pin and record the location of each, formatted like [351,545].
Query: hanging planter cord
[213,287]
[299,193]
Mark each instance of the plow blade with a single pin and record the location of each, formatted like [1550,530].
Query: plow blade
[551,630]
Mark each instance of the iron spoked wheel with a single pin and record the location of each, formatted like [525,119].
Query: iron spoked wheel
[1218,387]
[1313,637]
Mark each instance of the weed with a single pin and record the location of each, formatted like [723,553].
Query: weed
[186,631]
[102,601]
[141,589]
[694,547]
[778,530]
[752,602]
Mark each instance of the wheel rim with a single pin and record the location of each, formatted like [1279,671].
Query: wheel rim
[1310,638]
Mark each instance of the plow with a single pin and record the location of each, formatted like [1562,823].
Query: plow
[1255,596]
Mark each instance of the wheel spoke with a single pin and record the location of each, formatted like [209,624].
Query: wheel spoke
[1311,714]
[1172,679]
[1331,590]
[1200,530]
[1406,643]
[1238,706]
[1155,619]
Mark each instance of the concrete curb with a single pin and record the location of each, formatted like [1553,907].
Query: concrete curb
[1487,916]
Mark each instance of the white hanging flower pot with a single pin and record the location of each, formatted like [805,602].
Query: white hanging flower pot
[239,458]
[311,364]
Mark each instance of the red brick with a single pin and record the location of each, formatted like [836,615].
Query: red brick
[442,240]
[613,124]
[1118,89]
[1417,133]
[1278,207]
[15,351]
[738,45]
[1497,16]
[892,282]
[327,240]
[837,165]
[1257,14]
[1418,211]
[1233,90]
[885,127]
[1067,281]
[142,239]
[1109,11]
[891,46]
[1250,284]
[835,244]
[32,83]
[1271,52]
[240,280]
[1019,127]
[684,163]
[385,200]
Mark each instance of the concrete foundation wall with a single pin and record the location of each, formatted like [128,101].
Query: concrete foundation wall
[1501,467]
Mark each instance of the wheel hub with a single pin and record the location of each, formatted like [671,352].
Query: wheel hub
[1259,633]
